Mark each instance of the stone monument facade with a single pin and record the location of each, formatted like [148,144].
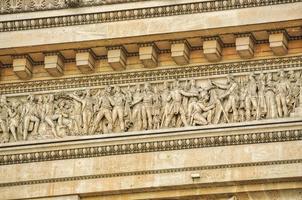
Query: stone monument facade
[145,99]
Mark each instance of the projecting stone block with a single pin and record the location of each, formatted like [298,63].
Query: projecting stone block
[117,58]
[212,50]
[245,47]
[278,42]
[22,67]
[85,61]
[54,64]
[148,54]
[180,52]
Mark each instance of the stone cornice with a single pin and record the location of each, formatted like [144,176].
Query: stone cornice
[132,14]
[11,6]
[152,172]
[175,139]
[152,75]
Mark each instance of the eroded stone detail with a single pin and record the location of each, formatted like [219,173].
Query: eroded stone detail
[148,106]
[11,6]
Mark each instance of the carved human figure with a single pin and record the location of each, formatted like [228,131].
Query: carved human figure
[104,108]
[118,102]
[3,118]
[203,110]
[76,114]
[147,107]
[40,107]
[294,92]
[14,114]
[194,98]
[241,104]
[270,97]
[250,96]
[87,103]
[30,115]
[176,108]
[128,114]
[231,98]
[261,106]
[165,99]
[282,91]
[185,99]
[64,123]
[50,116]
[136,106]
[156,108]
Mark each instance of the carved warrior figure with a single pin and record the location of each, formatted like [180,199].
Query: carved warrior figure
[203,110]
[231,100]
[132,108]
[176,108]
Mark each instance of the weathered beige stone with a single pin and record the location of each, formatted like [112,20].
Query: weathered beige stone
[212,50]
[278,42]
[54,64]
[148,54]
[245,47]
[180,52]
[231,160]
[67,197]
[85,61]
[22,67]
[117,58]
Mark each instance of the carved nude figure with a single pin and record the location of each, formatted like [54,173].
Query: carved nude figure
[29,114]
[14,118]
[50,115]
[87,103]
[77,114]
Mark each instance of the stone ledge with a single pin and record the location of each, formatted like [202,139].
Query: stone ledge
[254,132]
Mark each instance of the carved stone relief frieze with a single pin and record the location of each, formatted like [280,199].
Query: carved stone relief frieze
[232,98]
[15,6]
